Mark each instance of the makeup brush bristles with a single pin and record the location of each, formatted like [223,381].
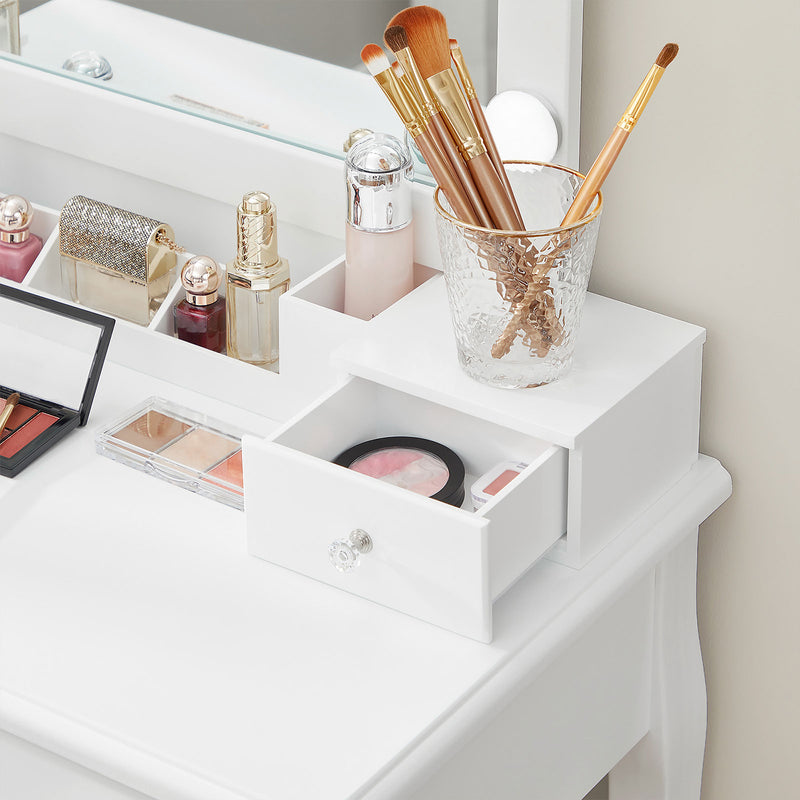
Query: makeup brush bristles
[374,59]
[395,38]
[426,32]
[667,54]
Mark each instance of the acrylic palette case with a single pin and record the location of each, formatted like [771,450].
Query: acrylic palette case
[52,355]
[183,447]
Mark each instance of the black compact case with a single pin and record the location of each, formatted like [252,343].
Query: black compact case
[52,355]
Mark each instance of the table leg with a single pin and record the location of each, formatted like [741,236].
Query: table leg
[667,764]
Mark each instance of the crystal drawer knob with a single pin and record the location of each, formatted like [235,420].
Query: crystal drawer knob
[345,554]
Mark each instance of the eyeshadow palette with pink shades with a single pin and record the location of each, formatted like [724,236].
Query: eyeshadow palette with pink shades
[180,446]
[24,425]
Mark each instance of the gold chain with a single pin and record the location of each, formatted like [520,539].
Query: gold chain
[163,239]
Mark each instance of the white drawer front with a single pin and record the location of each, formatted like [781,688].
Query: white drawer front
[428,559]
[441,564]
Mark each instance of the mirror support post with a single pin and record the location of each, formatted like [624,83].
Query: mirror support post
[539,51]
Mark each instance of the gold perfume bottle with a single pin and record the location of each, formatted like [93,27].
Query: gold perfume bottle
[115,261]
[257,277]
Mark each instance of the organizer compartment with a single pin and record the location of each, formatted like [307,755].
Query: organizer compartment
[154,349]
[45,226]
[313,323]
[441,564]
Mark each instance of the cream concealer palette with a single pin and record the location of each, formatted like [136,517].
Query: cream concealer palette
[182,447]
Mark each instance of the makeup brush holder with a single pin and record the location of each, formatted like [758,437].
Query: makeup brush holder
[516,297]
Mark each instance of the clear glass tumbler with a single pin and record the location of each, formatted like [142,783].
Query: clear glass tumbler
[516,297]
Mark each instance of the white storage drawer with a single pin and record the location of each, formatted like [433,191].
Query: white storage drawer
[442,564]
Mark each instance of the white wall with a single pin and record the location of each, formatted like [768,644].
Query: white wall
[701,223]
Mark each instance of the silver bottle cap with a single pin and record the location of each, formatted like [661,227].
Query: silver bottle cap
[200,278]
[378,173]
[15,219]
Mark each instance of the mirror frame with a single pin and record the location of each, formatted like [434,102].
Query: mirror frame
[539,51]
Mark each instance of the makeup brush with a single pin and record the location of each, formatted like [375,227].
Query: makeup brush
[426,32]
[403,78]
[480,118]
[8,410]
[397,41]
[589,189]
[411,114]
[608,155]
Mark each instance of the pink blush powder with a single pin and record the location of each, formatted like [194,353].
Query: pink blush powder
[415,470]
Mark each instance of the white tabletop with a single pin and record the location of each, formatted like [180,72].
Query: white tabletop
[138,637]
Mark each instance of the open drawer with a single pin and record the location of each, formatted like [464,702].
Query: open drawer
[442,564]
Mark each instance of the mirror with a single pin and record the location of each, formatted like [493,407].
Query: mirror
[53,359]
[288,70]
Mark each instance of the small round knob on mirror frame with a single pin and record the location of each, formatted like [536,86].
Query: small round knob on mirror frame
[345,554]
[89,64]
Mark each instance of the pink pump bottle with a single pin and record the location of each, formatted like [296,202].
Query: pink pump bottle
[379,236]
[18,246]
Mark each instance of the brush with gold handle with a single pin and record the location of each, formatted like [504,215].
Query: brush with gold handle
[8,410]
[409,111]
[396,39]
[426,34]
[480,118]
[608,155]
[591,186]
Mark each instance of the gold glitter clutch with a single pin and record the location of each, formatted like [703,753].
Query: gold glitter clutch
[115,261]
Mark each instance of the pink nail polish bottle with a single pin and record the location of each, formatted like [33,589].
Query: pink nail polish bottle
[379,236]
[18,246]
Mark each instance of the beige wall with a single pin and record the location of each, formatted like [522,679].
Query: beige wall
[702,222]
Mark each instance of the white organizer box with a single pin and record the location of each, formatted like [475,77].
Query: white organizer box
[154,349]
[603,444]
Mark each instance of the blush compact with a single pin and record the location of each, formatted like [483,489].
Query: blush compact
[51,359]
[418,465]
[495,480]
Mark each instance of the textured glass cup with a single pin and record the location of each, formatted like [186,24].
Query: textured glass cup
[516,297]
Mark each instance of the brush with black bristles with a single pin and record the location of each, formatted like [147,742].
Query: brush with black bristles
[426,34]
[396,40]
[408,109]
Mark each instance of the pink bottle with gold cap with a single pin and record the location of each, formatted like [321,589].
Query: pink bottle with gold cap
[18,246]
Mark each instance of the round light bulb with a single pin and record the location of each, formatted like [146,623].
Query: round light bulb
[523,127]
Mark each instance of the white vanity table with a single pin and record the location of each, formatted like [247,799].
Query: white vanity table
[164,657]
[142,644]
